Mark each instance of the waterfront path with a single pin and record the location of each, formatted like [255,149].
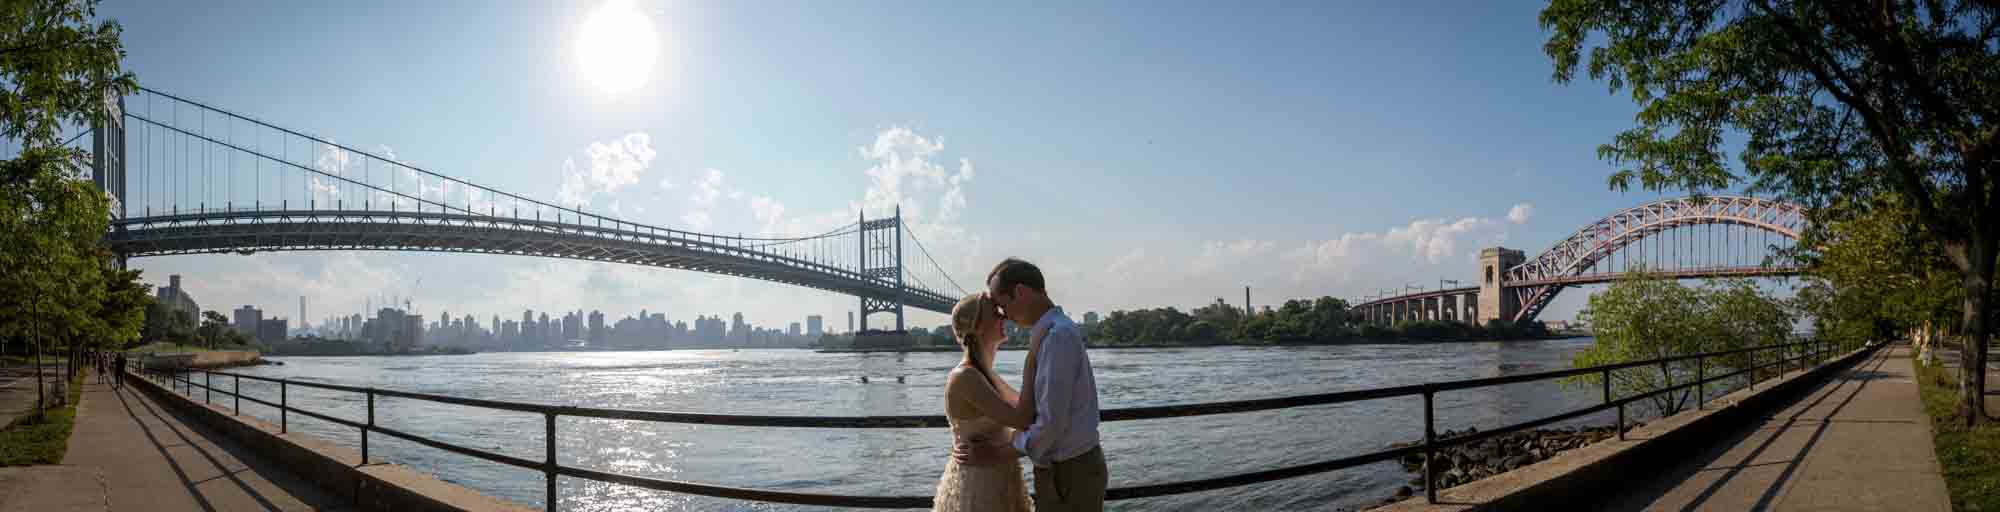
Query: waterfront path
[1859,441]
[128,452]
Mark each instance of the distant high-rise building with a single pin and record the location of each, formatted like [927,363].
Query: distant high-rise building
[177,300]
[597,333]
[813,327]
[271,330]
[850,321]
[1090,318]
[793,330]
[246,320]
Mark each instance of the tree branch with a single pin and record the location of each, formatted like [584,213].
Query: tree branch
[1827,73]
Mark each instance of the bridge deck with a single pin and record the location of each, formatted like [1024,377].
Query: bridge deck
[1860,441]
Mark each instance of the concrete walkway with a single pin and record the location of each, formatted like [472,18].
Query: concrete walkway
[130,453]
[1860,441]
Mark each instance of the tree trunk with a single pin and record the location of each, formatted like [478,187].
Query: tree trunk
[1978,286]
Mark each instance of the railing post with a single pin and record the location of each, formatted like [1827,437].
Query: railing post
[1753,368]
[207,387]
[237,382]
[1620,426]
[370,425]
[284,408]
[1700,380]
[549,457]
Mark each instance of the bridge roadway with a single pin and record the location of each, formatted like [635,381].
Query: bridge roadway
[247,230]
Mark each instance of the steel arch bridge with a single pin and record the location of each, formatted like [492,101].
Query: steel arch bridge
[1674,238]
[188,178]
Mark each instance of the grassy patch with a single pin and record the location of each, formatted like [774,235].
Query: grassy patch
[41,440]
[1970,456]
[23,360]
[164,347]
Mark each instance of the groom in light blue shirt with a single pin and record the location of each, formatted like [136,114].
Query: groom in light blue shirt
[1069,466]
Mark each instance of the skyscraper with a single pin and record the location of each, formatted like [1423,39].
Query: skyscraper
[597,332]
[813,326]
[177,300]
[246,320]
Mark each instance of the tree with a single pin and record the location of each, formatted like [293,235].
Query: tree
[1642,317]
[214,330]
[1834,99]
[55,68]
[1868,279]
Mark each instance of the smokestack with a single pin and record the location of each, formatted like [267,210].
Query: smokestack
[302,311]
[1246,303]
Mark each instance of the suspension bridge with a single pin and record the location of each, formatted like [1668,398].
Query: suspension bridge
[1681,238]
[190,178]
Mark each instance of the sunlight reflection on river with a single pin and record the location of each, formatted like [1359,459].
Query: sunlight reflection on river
[908,461]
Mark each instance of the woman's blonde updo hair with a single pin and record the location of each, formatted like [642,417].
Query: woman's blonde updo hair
[965,320]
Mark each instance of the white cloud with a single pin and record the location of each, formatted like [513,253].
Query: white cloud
[1434,239]
[1520,212]
[767,211]
[613,164]
[1424,249]
[901,166]
[696,221]
[1216,254]
[707,188]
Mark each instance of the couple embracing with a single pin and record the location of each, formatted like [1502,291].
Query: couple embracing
[1051,420]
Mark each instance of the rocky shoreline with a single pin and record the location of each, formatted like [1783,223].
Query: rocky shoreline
[1469,462]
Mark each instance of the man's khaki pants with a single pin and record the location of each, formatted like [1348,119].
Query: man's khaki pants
[1076,484]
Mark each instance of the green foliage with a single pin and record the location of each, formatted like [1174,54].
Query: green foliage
[41,439]
[1968,456]
[1643,317]
[1876,275]
[1834,105]
[1321,320]
[59,290]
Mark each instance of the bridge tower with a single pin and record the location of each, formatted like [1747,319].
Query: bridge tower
[1494,301]
[882,261]
[107,155]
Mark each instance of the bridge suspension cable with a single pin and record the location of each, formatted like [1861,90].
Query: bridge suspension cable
[939,269]
[188,195]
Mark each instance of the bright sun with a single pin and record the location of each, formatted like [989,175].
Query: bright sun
[617,47]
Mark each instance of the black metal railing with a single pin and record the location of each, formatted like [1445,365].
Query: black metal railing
[1788,357]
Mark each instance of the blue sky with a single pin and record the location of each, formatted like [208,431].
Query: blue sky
[1146,154]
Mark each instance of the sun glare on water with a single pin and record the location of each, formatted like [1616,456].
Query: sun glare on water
[617,47]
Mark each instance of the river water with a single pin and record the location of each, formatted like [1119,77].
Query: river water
[908,461]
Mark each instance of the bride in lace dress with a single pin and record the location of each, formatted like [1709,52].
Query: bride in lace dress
[982,408]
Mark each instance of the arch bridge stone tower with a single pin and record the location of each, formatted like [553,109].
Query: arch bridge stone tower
[1494,301]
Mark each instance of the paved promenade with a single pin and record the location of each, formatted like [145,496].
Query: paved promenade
[128,452]
[1860,441]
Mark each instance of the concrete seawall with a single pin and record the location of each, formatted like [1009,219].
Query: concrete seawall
[375,486]
[211,359]
[1590,473]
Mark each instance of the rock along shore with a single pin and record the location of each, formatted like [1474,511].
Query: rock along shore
[1468,462]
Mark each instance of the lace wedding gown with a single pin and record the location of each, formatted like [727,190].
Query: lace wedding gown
[996,488]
